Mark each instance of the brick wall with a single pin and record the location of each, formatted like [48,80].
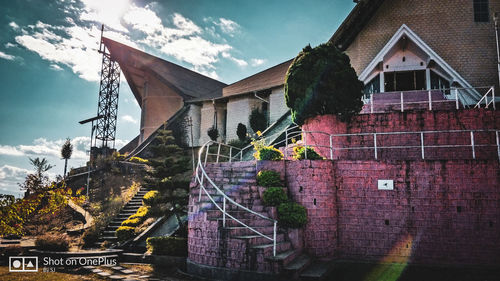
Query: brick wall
[448,27]
[472,119]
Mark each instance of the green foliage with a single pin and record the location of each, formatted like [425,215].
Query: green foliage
[213,133]
[138,160]
[300,153]
[238,143]
[132,222]
[124,233]
[66,151]
[151,197]
[170,246]
[257,120]
[241,132]
[117,156]
[322,81]
[268,178]
[52,243]
[37,182]
[292,215]
[141,213]
[274,196]
[269,153]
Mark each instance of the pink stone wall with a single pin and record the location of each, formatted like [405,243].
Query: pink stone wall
[473,119]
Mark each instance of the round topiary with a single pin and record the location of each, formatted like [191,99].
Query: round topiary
[274,196]
[241,132]
[292,215]
[269,153]
[213,133]
[322,81]
[268,178]
[300,153]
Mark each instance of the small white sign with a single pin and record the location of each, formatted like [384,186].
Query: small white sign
[385,184]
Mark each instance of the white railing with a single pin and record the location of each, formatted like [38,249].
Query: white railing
[201,175]
[491,92]
[460,96]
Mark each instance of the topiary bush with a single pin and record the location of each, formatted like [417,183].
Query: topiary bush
[268,178]
[141,213]
[124,233]
[268,153]
[213,133]
[131,222]
[241,132]
[257,120]
[300,153]
[292,215]
[52,243]
[171,246]
[322,81]
[151,197]
[274,196]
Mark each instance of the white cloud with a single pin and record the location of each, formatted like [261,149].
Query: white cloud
[10,150]
[55,67]
[14,25]
[10,45]
[227,26]
[6,56]
[130,119]
[257,62]
[10,176]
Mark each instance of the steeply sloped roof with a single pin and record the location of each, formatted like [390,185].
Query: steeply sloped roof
[354,23]
[269,78]
[187,83]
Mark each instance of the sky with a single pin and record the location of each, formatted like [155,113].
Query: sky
[49,65]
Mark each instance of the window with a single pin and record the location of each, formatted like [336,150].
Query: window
[372,87]
[481,11]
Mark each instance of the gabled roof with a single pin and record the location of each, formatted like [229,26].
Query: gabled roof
[354,23]
[187,83]
[269,78]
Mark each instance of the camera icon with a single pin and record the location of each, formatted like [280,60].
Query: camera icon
[23,264]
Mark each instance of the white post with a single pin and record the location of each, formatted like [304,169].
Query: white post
[206,153]
[305,145]
[493,94]
[224,212]
[402,108]
[375,143]
[430,100]
[218,153]
[230,153]
[371,103]
[456,97]
[472,144]
[498,145]
[422,144]
[201,186]
[331,148]
[274,239]
[286,143]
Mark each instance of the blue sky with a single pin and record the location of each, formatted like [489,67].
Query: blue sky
[49,67]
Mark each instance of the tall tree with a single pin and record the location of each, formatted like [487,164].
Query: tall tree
[66,152]
[38,181]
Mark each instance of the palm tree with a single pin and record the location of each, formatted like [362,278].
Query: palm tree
[66,151]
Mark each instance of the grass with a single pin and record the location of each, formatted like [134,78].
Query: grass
[46,276]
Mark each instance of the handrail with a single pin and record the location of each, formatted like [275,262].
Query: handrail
[485,98]
[225,198]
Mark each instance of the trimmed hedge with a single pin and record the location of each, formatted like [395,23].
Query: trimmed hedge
[300,153]
[53,243]
[124,233]
[131,222]
[322,81]
[274,196]
[138,160]
[151,197]
[171,246]
[268,178]
[241,132]
[213,133]
[269,153]
[292,215]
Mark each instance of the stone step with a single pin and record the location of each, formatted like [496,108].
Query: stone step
[109,238]
[244,231]
[318,270]
[108,233]
[284,258]
[266,250]
[255,205]
[254,222]
[297,266]
[260,240]
[112,228]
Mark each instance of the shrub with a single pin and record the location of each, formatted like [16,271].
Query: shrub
[258,120]
[53,243]
[116,156]
[124,233]
[131,222]
[213,133]
[300,153]
[274,196]
[141,213]
[241,132]
[151,197]
[268,178]
[292,215]
[90,236]
[322,81]
[138,160]
[269,153]
[172,246]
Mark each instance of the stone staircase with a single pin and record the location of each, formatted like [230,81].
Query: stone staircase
[109,233]
[234,245]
